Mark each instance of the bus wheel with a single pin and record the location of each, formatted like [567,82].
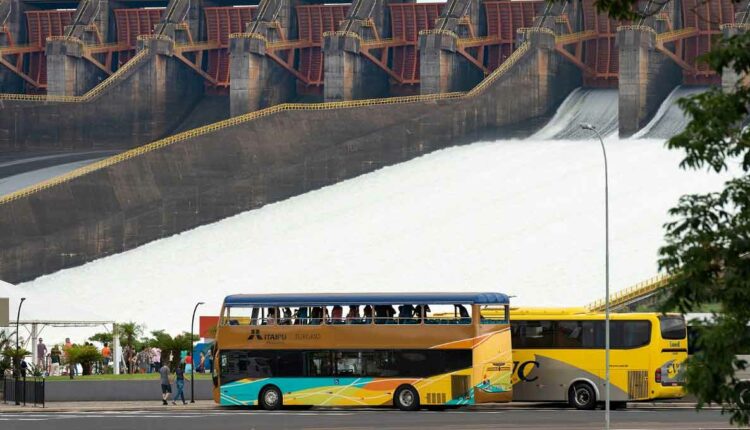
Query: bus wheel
[406,398]
[270,398]
[582,396]
[742,390]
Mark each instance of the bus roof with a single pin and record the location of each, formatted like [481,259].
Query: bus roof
[364,299]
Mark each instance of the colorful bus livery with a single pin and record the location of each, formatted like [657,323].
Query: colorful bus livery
[399,350]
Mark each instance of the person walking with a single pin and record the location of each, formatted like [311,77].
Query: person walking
[179,381]
[143,359]
[41,354]
[166,384]
[55,361]
[106,356]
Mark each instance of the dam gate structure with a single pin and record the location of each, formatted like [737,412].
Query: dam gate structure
[221,108]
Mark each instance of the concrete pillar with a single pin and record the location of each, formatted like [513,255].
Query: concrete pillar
[256,81]
[730,78]
[441,68]
[34,341]
[646,78]
[347,74]
[68,72]
[437,63]
[115,350]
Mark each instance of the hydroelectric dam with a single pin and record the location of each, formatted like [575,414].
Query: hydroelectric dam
[174,115]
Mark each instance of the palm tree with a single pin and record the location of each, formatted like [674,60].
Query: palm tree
[129,332]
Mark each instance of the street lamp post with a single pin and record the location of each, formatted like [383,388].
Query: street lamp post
[192,366]
[606,287]
[18,364]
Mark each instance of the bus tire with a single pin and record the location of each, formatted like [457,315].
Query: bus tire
[742,392]
[406,398]
[270,398]
[582,396]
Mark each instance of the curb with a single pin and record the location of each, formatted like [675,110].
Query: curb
[203,408]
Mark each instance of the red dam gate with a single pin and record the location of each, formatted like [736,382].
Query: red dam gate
[41,25]
[220,23]
[504,18]
[312,22]
[407,20]
[132,23]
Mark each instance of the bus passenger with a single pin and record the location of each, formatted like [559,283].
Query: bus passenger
[406,314]
[337,315]
[367,315]
[317,315]
[271,318]
[287,319]
[301,318]
[353,316]
[384,314]
[465,318]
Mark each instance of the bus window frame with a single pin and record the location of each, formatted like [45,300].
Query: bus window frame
[651,339]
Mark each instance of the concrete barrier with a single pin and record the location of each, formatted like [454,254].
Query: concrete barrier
[85,391]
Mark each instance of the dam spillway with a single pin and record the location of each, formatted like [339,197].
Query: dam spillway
[301,96]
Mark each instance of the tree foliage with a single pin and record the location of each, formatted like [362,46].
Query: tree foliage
[707,239]
[85,355]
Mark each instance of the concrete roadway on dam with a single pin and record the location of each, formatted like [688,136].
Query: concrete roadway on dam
[19,170]
[171,417]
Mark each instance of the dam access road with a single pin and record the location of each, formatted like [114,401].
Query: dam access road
[502,417]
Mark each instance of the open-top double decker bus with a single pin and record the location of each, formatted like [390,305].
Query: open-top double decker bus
[365,349]
[558,355]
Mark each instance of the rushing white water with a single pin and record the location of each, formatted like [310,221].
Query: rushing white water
[522,217]
[670,119]
[597,107]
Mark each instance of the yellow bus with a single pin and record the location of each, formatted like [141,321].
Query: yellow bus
[558,355]
[407,350]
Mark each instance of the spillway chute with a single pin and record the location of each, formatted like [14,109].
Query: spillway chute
[670,119]
[591,106]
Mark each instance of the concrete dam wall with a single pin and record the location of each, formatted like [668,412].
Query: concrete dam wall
[157,90]
[213,172]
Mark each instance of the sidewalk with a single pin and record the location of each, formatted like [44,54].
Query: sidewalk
[199,405]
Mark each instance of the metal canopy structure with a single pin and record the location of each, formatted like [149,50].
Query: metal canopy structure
[35,327]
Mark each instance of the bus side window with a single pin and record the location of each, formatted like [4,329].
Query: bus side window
[494,315]
[568,334]
[318,363]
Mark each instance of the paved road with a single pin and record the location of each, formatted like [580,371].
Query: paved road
[19,170]
[172,418]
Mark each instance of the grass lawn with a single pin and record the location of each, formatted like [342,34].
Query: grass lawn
[135,377]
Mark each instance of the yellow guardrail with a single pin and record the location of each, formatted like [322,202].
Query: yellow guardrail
[574,37]
[90,94]
[342,33]
[736,25]
[524,30]
[645,288]
[248,36]
[637,28]
[507,64]
[67,38]
[675,34]
[439,31]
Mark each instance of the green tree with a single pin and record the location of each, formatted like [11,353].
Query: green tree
[85,355]
[707,239]
[102,337]
[171,346]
